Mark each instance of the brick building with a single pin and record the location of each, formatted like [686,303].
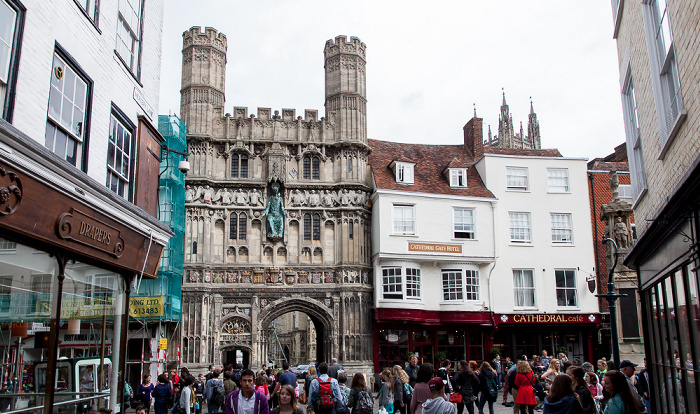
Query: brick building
[659,51]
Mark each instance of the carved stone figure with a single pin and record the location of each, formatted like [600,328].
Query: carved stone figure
[189,195]
[226,197]
[328,199]
[345,198]
[314,199]
[275,214]
[614,185]
[621,233]
[255,198]
[297,198]
[240,198]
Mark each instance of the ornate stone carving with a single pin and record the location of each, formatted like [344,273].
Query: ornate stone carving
[10,193]
[275,214]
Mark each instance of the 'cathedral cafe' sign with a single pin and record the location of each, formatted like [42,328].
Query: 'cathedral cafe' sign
[546,318]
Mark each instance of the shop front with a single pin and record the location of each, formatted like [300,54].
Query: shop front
[431,335]
[529,334]
[70,250]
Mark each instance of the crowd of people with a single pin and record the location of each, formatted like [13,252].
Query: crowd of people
[541,383]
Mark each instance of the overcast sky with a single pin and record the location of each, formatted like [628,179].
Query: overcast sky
[428,63]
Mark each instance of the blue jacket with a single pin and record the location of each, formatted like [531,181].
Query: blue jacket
[568,405]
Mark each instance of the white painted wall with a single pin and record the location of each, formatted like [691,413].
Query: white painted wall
[543,256]
[434,224]
[63,22]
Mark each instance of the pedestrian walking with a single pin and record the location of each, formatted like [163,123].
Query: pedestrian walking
[525,381]
[437,404]
[143,394]
[421,392]
[488,387]
[402,390]
[412,370]
[162,394]
[467,383]
[561,398]
[246,400]
[287,401]
[621,400]
[577,375]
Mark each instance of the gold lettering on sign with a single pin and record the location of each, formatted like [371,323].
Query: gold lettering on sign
[435,248]
[94,233]
[545,318]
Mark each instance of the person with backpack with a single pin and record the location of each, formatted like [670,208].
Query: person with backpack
[360,398]
[214,392]
[246,400]
[198,388]
[229,385]
[489,388]
[344,392]
[324,392]
[402,390]
[467,383]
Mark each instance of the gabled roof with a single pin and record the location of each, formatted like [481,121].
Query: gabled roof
[522,152]
[431,162]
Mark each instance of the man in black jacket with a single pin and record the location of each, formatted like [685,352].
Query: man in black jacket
[643,387]
[412,370]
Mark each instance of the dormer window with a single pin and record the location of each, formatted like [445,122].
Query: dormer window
[458,177]
[403,172]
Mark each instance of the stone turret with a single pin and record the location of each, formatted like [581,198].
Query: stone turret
[203,79]
[346,96]
[505,126]
[533,128]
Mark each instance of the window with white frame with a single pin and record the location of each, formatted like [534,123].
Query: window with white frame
[471,284]
[660,42]
[633,137]
[520,228]
[517,179]
[401,281]
[562,228]
[119,156]
[392,285]
[129,33]
[90,7]
[452,285]
[404,220]
[625,191]
[8,19]
[566,287]
[7,246]
[463,223]
[558,180]
[412,283]
[458,177]
[66,128]
[403,172]
[524,288]
[12,14]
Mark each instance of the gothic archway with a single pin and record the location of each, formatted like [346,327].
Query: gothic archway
[321,315]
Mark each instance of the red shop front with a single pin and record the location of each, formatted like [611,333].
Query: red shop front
[460,335]
[529,334]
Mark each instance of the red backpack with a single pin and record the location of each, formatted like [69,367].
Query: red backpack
[325,395]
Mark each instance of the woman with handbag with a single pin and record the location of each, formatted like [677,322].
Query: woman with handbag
[467,383]
[386,393]
[525,381]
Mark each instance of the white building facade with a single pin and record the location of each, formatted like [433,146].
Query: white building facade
[79,157]
[476,248]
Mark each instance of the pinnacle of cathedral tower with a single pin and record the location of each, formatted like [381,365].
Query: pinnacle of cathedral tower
[533,128]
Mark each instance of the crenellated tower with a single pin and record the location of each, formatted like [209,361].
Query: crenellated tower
[346,96]
[203,80]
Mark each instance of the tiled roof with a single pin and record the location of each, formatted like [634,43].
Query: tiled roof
[522,152]
[599,164]
[431,161]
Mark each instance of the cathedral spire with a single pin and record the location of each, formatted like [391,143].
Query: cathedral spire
[533,128]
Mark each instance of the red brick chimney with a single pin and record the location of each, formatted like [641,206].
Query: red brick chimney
[474,137]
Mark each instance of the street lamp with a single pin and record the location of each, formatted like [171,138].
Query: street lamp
[611,297]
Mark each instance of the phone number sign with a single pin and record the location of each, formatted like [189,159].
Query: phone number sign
[147,306]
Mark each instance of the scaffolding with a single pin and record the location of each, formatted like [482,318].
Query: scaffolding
[171,199]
